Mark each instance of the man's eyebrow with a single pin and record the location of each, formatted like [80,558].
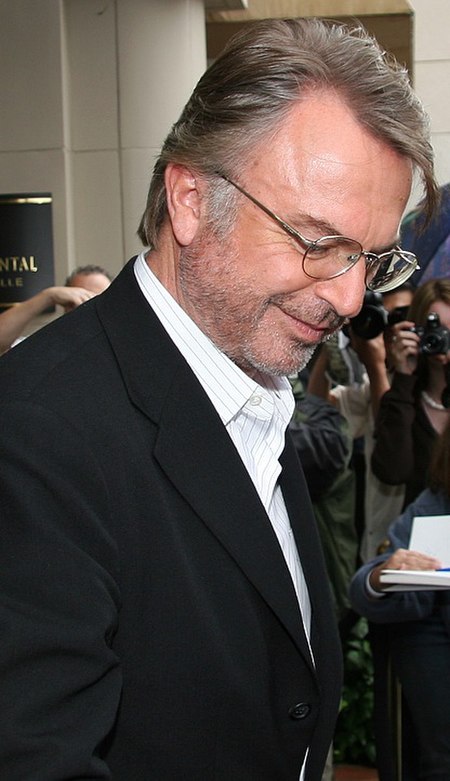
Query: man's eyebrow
[306,222]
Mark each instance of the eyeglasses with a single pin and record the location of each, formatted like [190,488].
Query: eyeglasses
[330,256]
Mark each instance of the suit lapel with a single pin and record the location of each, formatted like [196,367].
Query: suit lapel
[192,441]
[324,640]
[224,497]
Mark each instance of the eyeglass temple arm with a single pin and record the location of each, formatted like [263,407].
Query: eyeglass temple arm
[269,212]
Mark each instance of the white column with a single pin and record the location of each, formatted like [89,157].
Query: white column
[32,155]
[89,90]
[162,54]
[133,64]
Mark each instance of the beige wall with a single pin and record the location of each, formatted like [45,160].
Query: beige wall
[32,157]
[131,68]
[432,73]
[88,91]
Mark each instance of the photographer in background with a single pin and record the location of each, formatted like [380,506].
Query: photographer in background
[416,407]
[358,401]
[81,285]
[416,627]
[323,442]
[410,415]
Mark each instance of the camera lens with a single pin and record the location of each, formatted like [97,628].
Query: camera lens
[431,344]
[372,318]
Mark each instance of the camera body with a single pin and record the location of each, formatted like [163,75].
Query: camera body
[434,337]
[373,318]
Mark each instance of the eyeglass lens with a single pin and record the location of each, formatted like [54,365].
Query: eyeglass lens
[332,256]
[393,270]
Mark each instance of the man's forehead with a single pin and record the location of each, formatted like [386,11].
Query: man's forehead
[322,163]
[322,126]
[94,281]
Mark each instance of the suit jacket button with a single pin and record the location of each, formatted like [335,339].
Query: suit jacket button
[299,711]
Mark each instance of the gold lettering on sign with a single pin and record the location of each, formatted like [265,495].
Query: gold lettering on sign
[18,263]
[11,282]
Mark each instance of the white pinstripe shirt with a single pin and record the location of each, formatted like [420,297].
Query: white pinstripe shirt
[255,415]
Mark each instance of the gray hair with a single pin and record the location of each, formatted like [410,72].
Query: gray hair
[262,72]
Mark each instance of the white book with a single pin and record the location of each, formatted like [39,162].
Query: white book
[430,534]
[414,579]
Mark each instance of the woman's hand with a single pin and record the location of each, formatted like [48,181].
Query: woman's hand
[402,347]
[403,559]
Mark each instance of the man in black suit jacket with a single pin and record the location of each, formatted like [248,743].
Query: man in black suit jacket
[165,612]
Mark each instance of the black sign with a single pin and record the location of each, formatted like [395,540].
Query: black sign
[26,246]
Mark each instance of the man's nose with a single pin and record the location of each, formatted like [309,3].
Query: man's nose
[346,292]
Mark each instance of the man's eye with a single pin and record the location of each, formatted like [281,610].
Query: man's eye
[319,250]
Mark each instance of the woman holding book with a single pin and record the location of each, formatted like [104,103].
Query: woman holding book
[417,622]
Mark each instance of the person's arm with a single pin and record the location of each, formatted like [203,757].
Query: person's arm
[321,438]
[15,320]
[318,381]
[366,593]
[372,353]
[60,679]
[390,607]
[393,453]
[393,457]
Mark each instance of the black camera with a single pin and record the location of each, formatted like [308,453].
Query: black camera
[434,337]
[373,318]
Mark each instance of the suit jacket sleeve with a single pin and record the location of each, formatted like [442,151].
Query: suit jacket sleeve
[320,436]
[57,668]
[393,454]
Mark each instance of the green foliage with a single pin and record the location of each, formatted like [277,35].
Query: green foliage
[353,740]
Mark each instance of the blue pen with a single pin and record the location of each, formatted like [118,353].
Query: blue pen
[443,569]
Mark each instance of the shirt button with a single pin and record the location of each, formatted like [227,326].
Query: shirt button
[255,401]
[299,711]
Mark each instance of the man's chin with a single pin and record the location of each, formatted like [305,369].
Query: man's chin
[281,366]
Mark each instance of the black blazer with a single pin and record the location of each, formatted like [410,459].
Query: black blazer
[149,625]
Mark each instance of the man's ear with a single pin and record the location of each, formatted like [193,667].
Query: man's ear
[183,202]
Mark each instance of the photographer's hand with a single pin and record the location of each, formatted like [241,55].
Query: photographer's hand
[402,347]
